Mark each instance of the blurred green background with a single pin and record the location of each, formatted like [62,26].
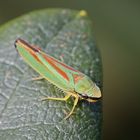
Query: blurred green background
[117,29]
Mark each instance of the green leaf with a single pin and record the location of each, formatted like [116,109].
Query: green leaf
[62,33]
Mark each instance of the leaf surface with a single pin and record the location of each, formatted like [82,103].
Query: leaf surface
[68,37]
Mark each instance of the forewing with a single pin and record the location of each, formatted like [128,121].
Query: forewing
[32,56]
[68,73]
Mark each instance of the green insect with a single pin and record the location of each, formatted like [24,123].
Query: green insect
[72,82]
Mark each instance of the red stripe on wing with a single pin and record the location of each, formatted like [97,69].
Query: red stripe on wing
[77,77]
[33,53]
[31,49]
[51,62]
[64,65]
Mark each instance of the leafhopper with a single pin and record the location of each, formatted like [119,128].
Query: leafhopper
[69,80]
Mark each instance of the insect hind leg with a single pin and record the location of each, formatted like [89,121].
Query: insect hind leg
[69,94]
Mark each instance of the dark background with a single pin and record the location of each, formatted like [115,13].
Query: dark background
[117,29]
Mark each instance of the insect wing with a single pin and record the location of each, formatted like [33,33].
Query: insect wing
[33,56]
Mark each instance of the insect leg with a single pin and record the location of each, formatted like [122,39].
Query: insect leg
[37,78]
[58,99]
[75,103]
